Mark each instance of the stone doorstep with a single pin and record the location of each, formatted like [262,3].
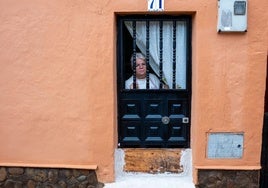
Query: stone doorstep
[152,161]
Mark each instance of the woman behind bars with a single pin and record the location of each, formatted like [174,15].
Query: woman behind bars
[141,70]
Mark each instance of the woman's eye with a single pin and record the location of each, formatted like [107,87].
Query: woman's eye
[140,65]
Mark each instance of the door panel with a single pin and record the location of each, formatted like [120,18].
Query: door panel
[141,119]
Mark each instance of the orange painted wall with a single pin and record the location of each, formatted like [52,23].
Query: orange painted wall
[58,81]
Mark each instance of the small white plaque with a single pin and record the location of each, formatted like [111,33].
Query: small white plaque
[155,5]
[225,145]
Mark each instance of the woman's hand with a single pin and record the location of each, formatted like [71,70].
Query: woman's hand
[132,86]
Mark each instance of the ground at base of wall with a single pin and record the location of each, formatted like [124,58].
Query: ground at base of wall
[142,180]
[228,178]
[20,177]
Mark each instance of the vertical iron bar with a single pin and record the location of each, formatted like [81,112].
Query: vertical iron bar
[161,54]
[147,53]
[134,54]
[174,57]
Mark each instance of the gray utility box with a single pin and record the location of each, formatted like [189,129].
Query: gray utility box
[225,145]
[232,16]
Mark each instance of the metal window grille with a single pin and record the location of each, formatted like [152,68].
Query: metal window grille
[160,54]
[174,51]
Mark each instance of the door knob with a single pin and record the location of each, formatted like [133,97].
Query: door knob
[165,120]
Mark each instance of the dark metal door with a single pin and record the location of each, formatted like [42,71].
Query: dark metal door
[151,118]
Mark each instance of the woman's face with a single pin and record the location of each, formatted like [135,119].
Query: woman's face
[140,68]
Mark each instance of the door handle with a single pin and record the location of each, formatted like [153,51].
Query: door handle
[165,120]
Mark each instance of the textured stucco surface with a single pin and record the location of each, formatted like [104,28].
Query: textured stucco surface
[58,81]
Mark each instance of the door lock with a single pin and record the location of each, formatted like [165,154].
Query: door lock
[165,120]
[185,120]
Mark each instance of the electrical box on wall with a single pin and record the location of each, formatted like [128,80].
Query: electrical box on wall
[232,16]
[225,145]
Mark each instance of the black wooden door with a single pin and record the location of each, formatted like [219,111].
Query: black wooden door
[154,119]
